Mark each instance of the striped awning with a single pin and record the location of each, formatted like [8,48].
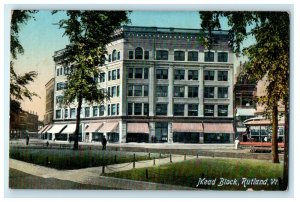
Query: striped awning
[93,127]
[69,129]
[57,128]
[187,127]
[43,130]
[218,128]
[109,127]
[137,128]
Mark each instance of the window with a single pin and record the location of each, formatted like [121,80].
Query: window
[130,90]
[129,110]
[162,55]
[87,112]
[118,91]
[193,75]
[138,53]
[95,111]
[108,110]
[114,91]
[161,132]
[114,75]
[209,92]
[61,71]
[146,55]
[161,91]
[73,113]
[114,55]
[161,74]
[102,77]
[209,110]
[130,73]
[101,111]
[138,73]
[60,86]
[113,109]
[119,55]
[179,74]
[222,75]
[58,114]
[109,58]
[145,73]
[222,92]
[109,75]
[59,99]
[178,109]
[118,73]
[66,70]
[118,109]
[131,55]
[209,56]
[108,91]
[193,91]
[222,57]
[66,113]
[179,55]
[138,90]
[57,72]
[193,110]
[179,91]
[145,91]
[161,109]
[193,56]
[137,108]
[146,109]
[222,110]
[209,75]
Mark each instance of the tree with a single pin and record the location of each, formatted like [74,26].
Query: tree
[268,58]
[89,33]
[18,83]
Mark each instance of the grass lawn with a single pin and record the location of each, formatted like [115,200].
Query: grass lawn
[21,180]
[187,173]
[65,159]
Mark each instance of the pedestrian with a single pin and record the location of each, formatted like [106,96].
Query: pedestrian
[265,139]
[104,142]
[27,139]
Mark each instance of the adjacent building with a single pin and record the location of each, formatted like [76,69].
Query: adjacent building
[164,87]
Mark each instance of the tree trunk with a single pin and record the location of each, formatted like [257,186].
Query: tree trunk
[77,122]
[285,180]
[275,158]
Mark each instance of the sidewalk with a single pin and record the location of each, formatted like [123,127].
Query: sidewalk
[93,175]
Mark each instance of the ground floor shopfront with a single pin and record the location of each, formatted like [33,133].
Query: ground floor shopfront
[156,131]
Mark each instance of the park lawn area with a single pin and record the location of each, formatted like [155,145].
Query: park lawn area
[21,180]
[187,173]
[68,159]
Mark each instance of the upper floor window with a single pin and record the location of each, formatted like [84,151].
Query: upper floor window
[114,55]
[209,56]
[161,74]
[130,109]
[145,73]
[101,110]
[222,57]
[138,90]
[209,92]
[95,111]
[161,91]
[59,99]
[118,73]
[179,74]
[138,53]
[73,113]
[179,91]
[208,110]
[209,75]
[192,56]
[139,73]
[192,110]
[162,55]
[137,108]
[130,55]
[222,92]
[119,55]
[130,73]
[146,55]
[109,58]
[61,86]
[146,109]
[222,110]
[222,75]
[57,72]
[114,75]
[102,77]
[193,91]
[66,113]
[193,75]
[161,109]
[179,55]
[178,109]
[58,114]
[87,112]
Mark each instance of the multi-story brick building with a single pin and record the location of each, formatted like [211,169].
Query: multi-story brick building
[164,87]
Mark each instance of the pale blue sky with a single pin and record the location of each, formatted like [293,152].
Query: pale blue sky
[41,37]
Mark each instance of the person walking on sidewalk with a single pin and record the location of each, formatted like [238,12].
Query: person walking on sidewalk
[27,139]
[104,142]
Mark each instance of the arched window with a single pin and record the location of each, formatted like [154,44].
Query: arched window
[114,55]
[139,53]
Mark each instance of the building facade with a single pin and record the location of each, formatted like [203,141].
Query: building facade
[164,87]
[48,117]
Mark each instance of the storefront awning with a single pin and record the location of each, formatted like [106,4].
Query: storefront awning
[137,128]
[93,127]
[241,130]
[218,128]
[245,111]
[69,129]
[43,129]
[57,128]
[187,127]
[109,127]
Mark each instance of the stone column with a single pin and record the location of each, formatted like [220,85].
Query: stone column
[171,90]
[151,130]
[152,86]
[201,92]
[230,92]
[122,131]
